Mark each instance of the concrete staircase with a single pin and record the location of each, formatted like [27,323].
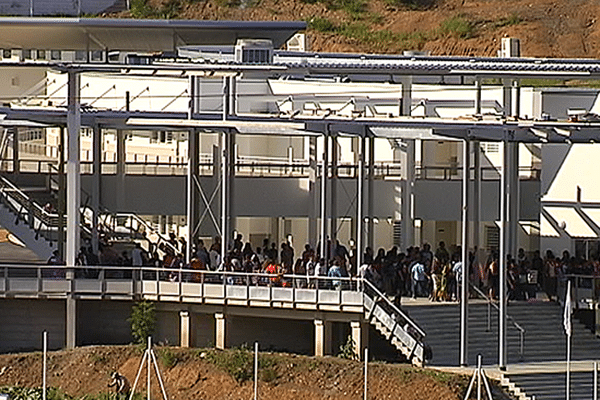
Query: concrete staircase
[540,371]
[544,338]
[397,328]
[547,381]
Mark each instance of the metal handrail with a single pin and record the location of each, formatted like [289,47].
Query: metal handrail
[381,296]
[491,303]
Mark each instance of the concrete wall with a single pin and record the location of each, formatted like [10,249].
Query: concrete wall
[103,322]
[23,322]
[293,336]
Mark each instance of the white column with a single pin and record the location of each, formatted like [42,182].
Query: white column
[220,326]
[322,337]
[185,331]
[73,199]
[360,337]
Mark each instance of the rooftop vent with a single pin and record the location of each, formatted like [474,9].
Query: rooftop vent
[254,51]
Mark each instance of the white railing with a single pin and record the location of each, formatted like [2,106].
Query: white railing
[334,294]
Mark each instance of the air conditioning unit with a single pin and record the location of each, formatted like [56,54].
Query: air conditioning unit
[254,51]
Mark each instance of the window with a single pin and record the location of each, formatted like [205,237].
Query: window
[7,53]
[96,56]
[55,55]
[80,55]
[41,54]
[26,54]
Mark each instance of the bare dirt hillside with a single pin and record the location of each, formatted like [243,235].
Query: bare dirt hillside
[547,28]
[209,374]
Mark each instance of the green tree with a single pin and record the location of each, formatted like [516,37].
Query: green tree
[143,321]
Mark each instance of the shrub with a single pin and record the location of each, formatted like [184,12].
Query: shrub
[143,321]
[237,362]
[458,26]
[168,358]
[348,350]
[321,24]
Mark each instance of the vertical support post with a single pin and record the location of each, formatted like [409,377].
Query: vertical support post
[121,160]
[360,336]
[185,331]
[149,366]
[73,200]
[313,230]
[595,397]
[255,370]
[333,189]
[505,193]
[225,101]
[370,192]
[464,293]
[192,197]
[225,159]
[61,193]
[220,326]
[360,188]
[231,182]
[365,397]
[408,196]
[476,204]
[324,197]
[513,206]
[96,183]
[44,367]
[322,337]
[504,241]
[15,149]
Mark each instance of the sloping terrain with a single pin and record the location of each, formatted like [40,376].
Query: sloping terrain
[209,374]
[547,28]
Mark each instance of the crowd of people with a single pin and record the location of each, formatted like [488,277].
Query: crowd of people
[415,272]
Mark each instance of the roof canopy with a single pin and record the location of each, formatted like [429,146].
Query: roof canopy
[135,35]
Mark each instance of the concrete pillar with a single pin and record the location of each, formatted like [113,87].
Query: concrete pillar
[323,339]
[220,326]
[185,331]
[73,200]
[360,337]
